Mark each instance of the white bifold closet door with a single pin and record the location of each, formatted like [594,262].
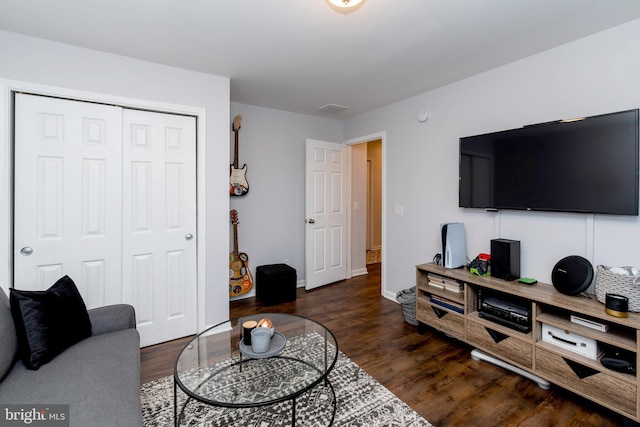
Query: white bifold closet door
[107,195]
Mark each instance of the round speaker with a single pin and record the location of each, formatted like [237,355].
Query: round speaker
[572,275]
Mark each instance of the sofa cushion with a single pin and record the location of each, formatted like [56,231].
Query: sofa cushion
[99,378]
[48,322]
[9,347]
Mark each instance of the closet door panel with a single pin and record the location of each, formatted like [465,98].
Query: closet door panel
[67,196]
[159,222]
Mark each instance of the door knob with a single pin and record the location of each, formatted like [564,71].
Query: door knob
[311,221]
[26,251]
[189,236]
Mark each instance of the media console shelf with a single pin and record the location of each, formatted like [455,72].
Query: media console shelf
[456,314]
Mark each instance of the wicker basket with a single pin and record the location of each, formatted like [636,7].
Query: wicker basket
[613,283]
[407,298]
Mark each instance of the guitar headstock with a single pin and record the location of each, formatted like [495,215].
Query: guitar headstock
[234,216]
[236,122]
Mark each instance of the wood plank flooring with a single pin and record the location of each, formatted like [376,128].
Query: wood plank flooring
[432,373]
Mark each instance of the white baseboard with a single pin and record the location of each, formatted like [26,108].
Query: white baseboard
[359,272]
[390,295]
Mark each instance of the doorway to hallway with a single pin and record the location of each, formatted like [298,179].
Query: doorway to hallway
[366,199]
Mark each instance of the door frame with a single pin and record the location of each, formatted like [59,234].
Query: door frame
[7,90]
[359,140]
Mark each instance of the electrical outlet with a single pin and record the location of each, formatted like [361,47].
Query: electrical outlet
[398,210]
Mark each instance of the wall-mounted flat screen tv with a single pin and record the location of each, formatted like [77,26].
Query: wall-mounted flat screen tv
[587,165]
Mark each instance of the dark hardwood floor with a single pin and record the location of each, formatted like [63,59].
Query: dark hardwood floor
[432,373]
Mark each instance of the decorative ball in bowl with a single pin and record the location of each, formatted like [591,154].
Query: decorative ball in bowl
[267,323]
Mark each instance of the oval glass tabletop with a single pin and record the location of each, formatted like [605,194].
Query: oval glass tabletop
[212,369]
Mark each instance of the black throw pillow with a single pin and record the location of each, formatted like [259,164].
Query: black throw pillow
[48,322]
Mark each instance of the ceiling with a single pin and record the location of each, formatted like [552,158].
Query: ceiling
[299,55]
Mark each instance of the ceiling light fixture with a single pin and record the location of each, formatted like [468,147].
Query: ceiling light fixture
[345,6]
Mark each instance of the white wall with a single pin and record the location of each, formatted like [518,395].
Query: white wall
[594,75]
[33,60]
[271,214]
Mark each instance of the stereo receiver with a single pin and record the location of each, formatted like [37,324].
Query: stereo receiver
[506,310]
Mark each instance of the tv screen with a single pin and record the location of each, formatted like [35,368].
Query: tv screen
[585,165]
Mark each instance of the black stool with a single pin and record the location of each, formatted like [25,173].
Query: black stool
[275,283]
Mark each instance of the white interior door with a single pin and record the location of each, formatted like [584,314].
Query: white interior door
[108,196]
[67,182]
[326,213]
[159,223]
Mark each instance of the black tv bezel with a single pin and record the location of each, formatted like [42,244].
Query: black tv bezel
[632,212]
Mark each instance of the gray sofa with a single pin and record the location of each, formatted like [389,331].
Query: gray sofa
[98,377]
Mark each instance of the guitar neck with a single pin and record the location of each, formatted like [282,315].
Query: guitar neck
[235,155]
[235,240]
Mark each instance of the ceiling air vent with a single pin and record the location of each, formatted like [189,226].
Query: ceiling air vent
[332,108]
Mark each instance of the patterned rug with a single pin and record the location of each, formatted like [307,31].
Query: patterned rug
[361,401]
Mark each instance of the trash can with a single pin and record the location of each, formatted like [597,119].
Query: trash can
[407,298]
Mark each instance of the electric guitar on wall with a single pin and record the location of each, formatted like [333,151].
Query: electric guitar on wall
[238,182]
[240,279]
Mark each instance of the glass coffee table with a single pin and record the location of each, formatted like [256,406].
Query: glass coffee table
[218,369]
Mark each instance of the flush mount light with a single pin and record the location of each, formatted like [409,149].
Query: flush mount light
[345,6]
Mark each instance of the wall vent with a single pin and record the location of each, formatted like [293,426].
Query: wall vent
[332,108]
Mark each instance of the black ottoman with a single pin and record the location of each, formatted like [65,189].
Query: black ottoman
[275,283]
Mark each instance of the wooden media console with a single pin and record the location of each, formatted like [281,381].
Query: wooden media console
[454,311]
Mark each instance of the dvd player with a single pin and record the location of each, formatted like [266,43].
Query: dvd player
[506,310]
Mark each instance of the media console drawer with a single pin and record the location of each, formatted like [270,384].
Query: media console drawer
[596,384]
[511,349]
[447,322]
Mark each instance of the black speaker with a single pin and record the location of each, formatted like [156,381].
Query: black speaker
[572,275]
[616,305]
[505,259]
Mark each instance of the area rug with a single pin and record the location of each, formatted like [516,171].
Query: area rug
[361,401]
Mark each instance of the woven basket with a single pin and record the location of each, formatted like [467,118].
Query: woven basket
[613,283]
[407,298]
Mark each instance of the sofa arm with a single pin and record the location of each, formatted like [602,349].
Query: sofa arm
[112,318]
